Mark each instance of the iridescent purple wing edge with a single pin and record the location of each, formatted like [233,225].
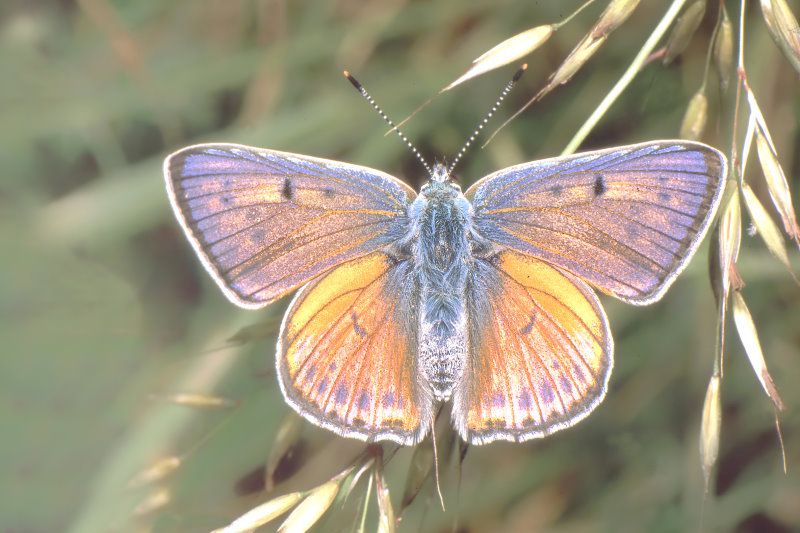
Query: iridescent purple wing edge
[625,219]
[265,222]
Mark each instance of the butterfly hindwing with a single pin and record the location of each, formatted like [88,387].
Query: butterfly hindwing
[540,351]
[625,219]
[265,222]
[347,352]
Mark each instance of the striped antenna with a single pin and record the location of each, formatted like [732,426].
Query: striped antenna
[506,90]
[383,115]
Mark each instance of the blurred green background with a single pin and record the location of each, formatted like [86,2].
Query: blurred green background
[104,310]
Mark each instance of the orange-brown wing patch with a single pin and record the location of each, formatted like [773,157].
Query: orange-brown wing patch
[540,351]
[346,356]
[265,222]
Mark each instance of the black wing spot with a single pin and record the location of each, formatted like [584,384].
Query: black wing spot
[664,196]
[557,190]
[225,199]
[288,189]
[632,230]
[258,235]
[328,192]
[599,185]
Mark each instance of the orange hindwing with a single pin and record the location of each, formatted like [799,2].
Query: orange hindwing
[540,351]
[346,355]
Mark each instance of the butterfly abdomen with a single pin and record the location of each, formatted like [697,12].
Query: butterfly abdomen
[442,259]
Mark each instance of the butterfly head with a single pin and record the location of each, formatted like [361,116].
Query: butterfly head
[441,184]
[440,174]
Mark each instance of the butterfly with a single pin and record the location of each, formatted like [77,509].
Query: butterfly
[485,298]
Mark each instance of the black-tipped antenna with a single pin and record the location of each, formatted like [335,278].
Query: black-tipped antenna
[503,94]
[383,115]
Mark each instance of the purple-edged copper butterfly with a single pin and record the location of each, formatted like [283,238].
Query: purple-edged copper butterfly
[482,298]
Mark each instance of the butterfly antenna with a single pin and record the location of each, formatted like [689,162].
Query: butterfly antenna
[503,94]
[383,115]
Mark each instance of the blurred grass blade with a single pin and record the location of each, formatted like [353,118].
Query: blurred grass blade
[311,509]
[361,528]
[730,238]
[684,29]
[513,48]
[528,40]
[203,401]
[576,59]
[783,28]
[418,472]
[694,120]
[614,15]
[624,81]
[386,520]
[778,186]
[780,442]
[352,481]
[286,441]
[579,56]
[747,144]
[766,227]
[710,429]
[749,337]
[723,49]
[755,110]
[725,248]
[153,502]
[776,181]
[265,329]
[264,513]
[155,472]
[506,52]
[612,18]
[126,50]
[715,265]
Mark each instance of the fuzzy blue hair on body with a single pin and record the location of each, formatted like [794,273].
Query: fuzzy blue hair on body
[441,220]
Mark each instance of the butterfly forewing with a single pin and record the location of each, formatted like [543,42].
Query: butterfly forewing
[265,222]
[625,219]
[540,351]
[347,352]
